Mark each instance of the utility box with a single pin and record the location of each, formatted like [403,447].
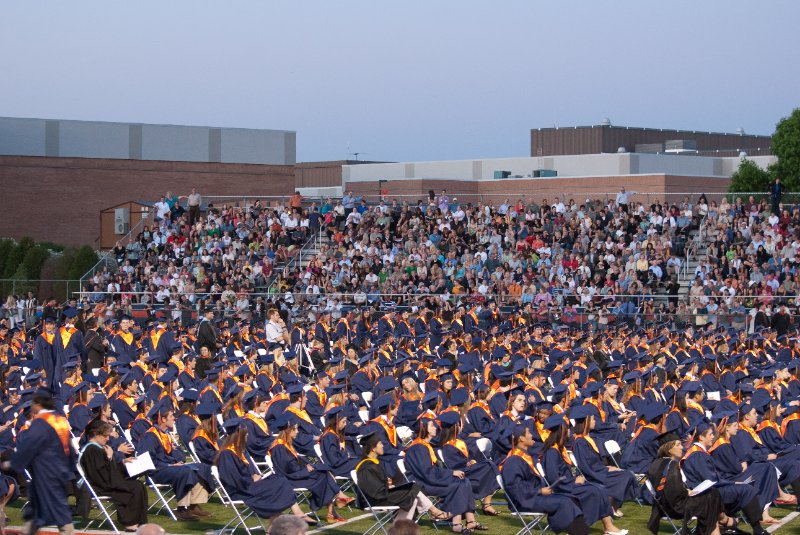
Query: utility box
[122,220]
[501,174]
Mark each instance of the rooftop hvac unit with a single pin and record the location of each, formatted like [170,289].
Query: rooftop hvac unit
[121,228]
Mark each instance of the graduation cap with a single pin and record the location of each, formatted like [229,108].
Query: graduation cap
[70,312]
[459,396]
[83,385]
[212,374]
[71,365]
[49,319]
[231,425]
[242,370]
[369,441]
[652,411]
[554,421]
[691,387]
[592,389]
[387,383]
[382,402]
[449,418]
[97,401]
[294,389]
[190,394]
[581,412]
[204,411]
[333,411]
[282,422]
[430,395]
[168,377]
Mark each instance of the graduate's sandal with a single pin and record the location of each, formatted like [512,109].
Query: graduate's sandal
[474,525]
[490,511]
[459,528]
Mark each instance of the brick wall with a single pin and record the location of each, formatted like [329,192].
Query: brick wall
[651,188]
[60,199]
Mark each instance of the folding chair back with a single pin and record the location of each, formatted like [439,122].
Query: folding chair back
[99,500]
[241,511]
[383,515]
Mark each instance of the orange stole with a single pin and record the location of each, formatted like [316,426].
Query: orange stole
[260,423]
[427,446]
[201,433]
[391,431]
[300,413]
[49,337]
[460,445]
[286,444]
[163,438]
[66,335]
[60,425]
[516,452]
[127,337]
[788,420]
[591,442]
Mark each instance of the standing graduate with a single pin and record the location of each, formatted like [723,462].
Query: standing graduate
[45,451]
[108,477]
[44,349]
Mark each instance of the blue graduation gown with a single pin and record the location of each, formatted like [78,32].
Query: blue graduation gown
[482,475]
[523,484]
[391,453]
[138,428]
[258,442]
[267,497]
[320,484]
[182,477]
[678,422]
[456,494]
[65,354]
[124,413]
[754,450]
[188,380]
[641,451]
[205,450]
[729,467]
[336,456]
[126,352]
[591,497]
[792,430]
[501,440]
[79,418]
[185,426]
[698,466]
[45,352]
[479,421]
[314,406]
[42,453]
[620,485]
[306,431]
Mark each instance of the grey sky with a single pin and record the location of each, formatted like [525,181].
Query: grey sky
[414,80]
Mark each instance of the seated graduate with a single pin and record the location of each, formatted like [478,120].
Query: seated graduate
[308,431]
[619,484]
[316,478]
[332,443]
[482,474]
[731,465]
[514,415]
[186,422]
[372,481]
[698,466]
[259,439]
[481,422]
[749,444]
[642,449]
[190,482]
[449,485]
[672,497]
[558,473]
[267,496]
[526,489]
[383,426]
[205,440]
[109,477]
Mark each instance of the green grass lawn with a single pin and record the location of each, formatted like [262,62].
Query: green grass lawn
[635,520]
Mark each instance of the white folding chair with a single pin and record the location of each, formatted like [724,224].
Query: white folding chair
[303,495]
[405,434]
[383,515]
[530,521]
[99,500]
[367,397]
[164,498]
[344,482]
[612,448]
[241,511]
[364,415]
[657,503]
[485,446]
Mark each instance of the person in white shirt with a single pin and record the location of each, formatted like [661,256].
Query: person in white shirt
[276,329]
[623,199]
